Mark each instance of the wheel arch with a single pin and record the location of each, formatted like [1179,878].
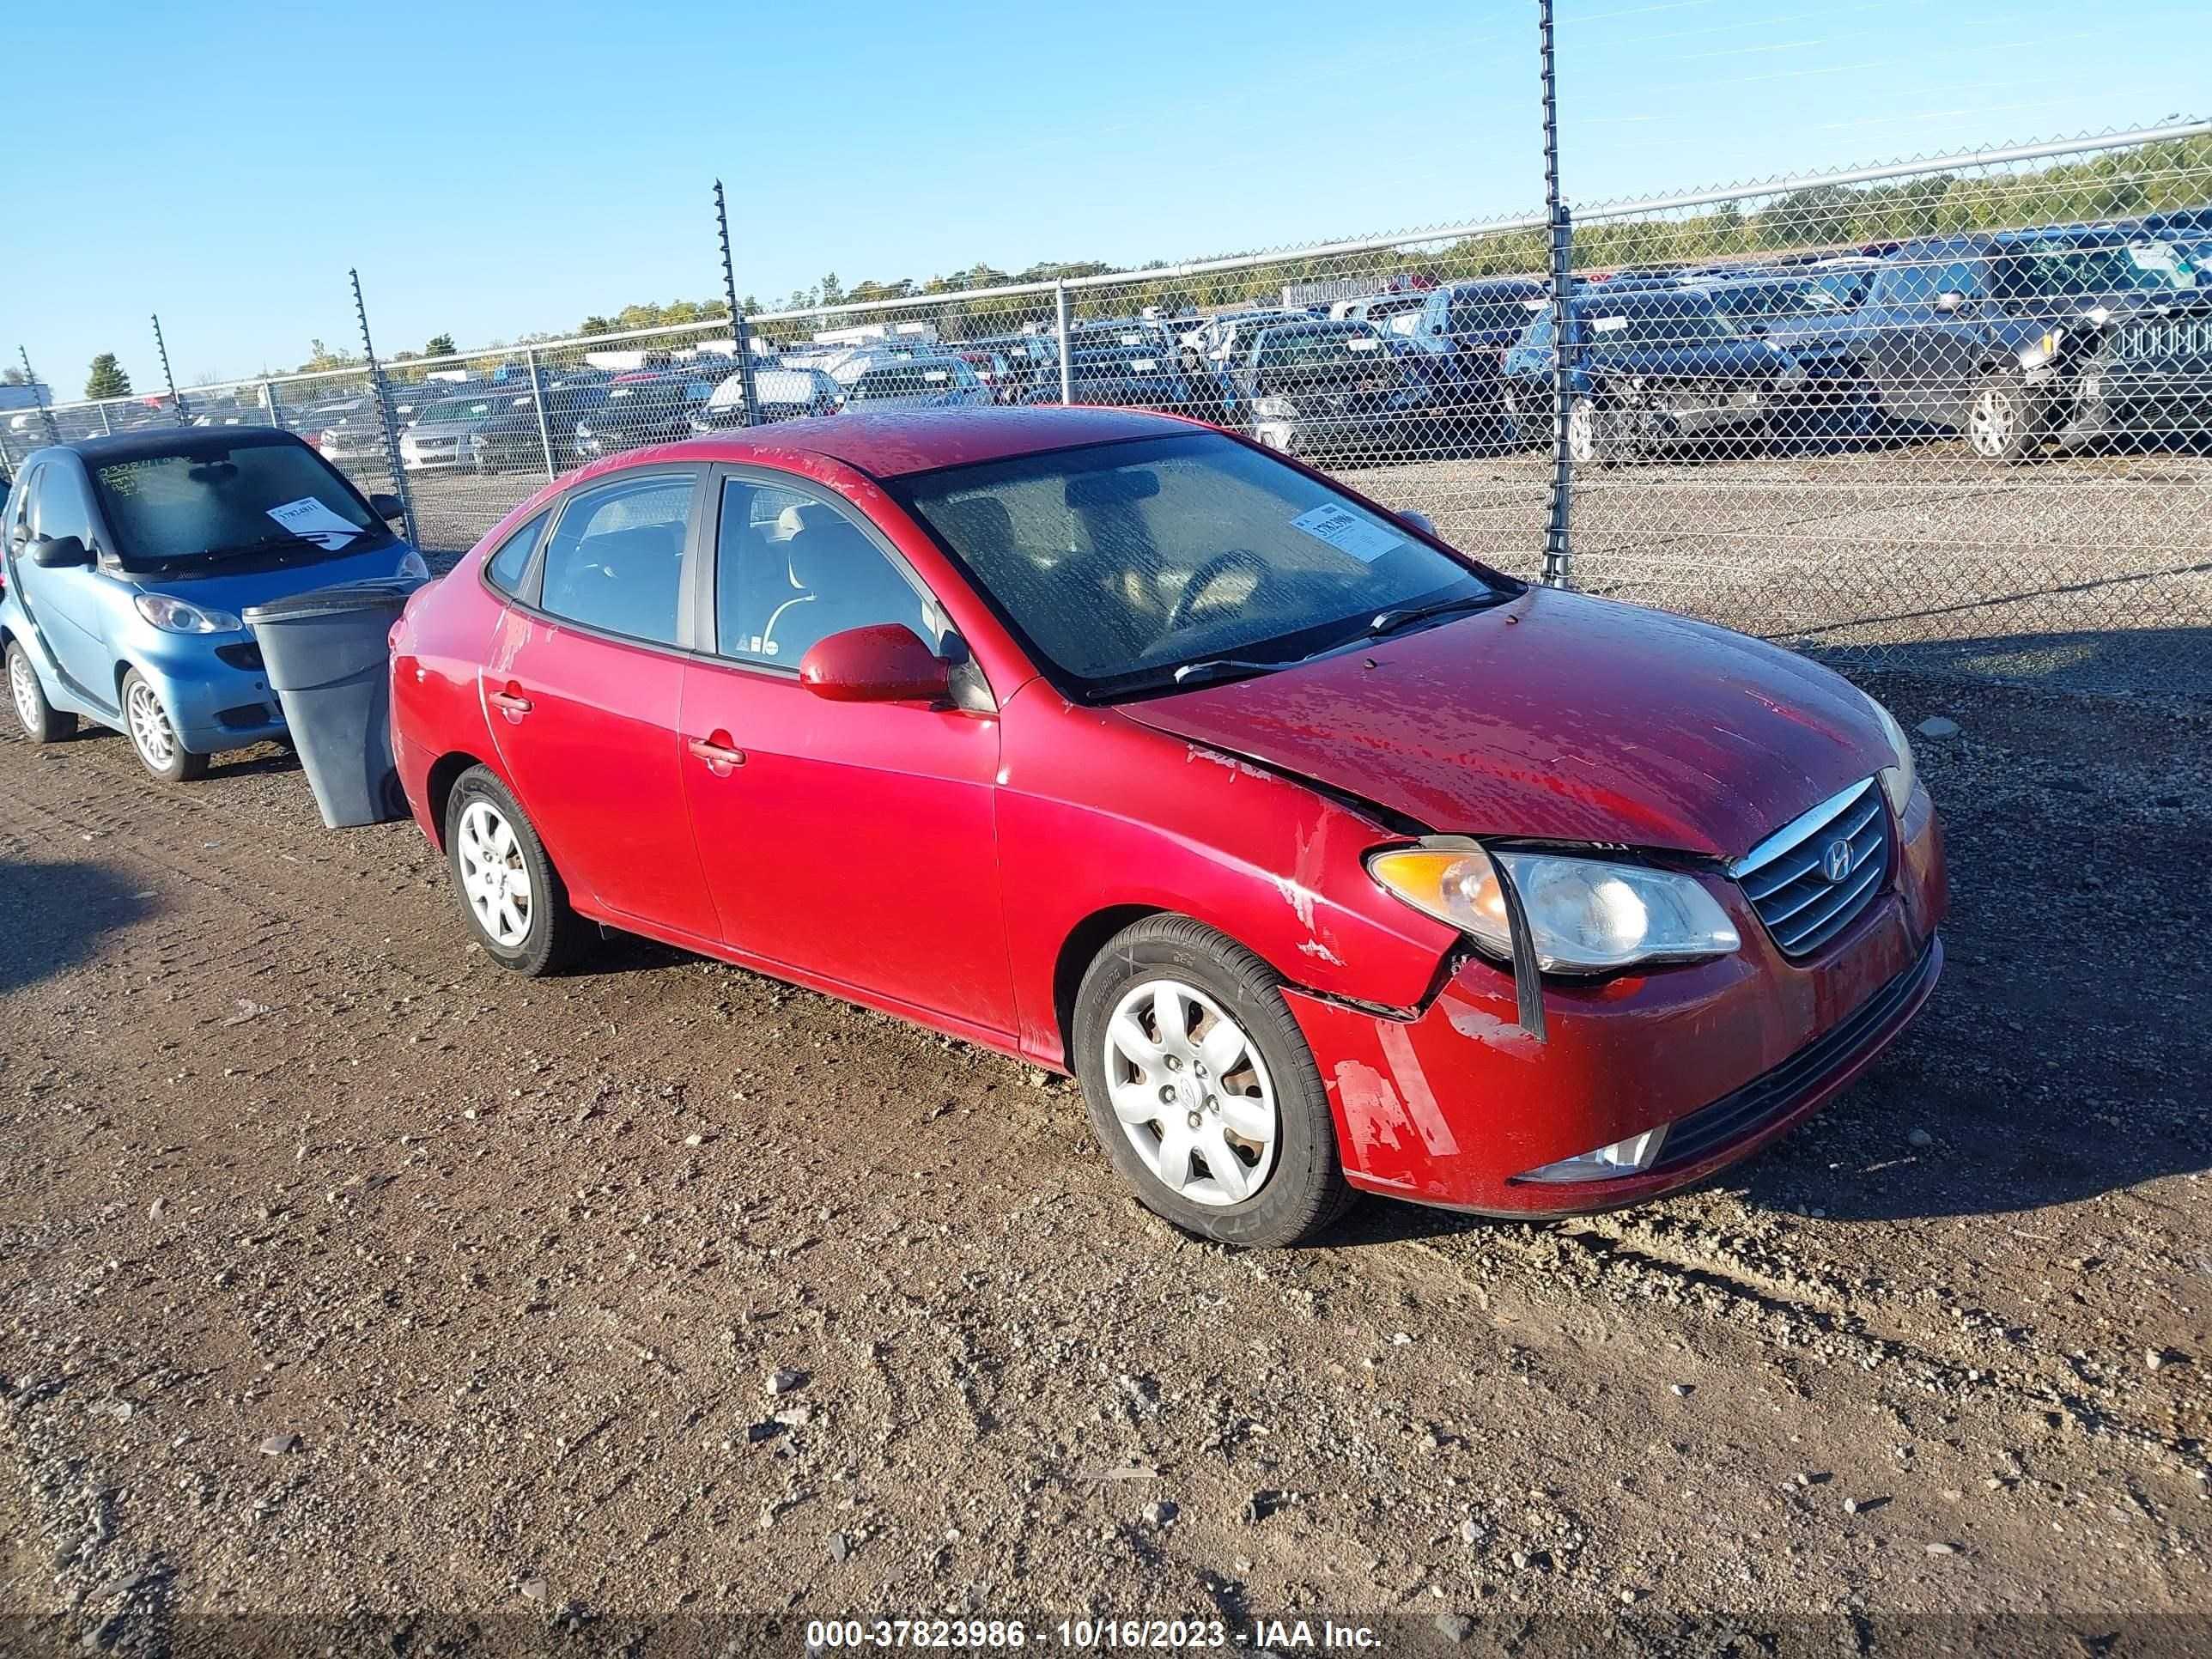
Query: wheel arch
[438,787]
[1078,951]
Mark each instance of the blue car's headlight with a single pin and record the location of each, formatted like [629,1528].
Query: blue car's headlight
[175,615]
[413,568]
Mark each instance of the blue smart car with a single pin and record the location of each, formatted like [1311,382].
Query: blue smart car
[127,562]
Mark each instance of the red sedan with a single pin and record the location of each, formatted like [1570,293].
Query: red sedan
[1326,857]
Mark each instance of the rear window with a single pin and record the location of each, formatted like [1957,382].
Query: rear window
[164,508]
[1318,342]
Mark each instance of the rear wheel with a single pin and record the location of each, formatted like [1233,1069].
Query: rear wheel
[515,899]
[1590,441]
[161,751]
[42,722]
[1202,1088]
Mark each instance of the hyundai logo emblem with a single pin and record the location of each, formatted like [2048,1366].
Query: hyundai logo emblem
[1836,859]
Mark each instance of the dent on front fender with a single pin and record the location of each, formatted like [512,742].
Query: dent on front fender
[1096,813]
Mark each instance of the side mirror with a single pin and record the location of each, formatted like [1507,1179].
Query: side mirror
[59,552]
[886,662]
[1420,521]
[387,508]
[1950,299]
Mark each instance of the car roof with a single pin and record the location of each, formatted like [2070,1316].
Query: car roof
[191,442]
[889,443]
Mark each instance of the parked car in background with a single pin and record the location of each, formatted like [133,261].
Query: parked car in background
[1031,359]
[1463,337]
[129,560]
[2142,379]
[312,422]
[1233,794]
[1984,334]
[1130,377]
[648,407]
[778,394]
[443,435]
[511,441]
[921,383]
[1649,368]
[1323,390]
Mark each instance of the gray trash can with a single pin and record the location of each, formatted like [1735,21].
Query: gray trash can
[325,654]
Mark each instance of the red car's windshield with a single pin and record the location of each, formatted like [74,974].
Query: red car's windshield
[1119,564]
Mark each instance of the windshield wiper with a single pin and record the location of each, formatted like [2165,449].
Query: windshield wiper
[1404,615]
[274,544]
[1211,669]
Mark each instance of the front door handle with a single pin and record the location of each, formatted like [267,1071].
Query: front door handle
[510,703]
[721,757]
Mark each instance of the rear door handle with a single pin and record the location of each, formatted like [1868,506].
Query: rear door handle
[510,703]
[720,757]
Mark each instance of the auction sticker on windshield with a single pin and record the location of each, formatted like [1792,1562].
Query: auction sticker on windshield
[310,519]
[1348,532]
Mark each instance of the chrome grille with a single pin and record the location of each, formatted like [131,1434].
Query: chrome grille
[1789,880]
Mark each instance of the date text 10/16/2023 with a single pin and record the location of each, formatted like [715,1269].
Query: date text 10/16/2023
[1166,1635]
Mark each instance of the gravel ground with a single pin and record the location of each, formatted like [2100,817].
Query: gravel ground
[2085,572]
[348,1276]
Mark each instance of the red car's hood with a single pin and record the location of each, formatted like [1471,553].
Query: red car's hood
[1559,717]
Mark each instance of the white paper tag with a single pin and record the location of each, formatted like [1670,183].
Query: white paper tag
[1348,532]
[309,518]
[1357,344]
[1608,324]
[1144,365]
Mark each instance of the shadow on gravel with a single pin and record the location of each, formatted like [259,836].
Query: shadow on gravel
[2173,662]
[53,915]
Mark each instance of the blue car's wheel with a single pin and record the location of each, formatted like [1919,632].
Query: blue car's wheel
[42,722]
[159,749]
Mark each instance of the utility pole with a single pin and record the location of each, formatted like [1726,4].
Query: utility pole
[1559,537]
[739,330]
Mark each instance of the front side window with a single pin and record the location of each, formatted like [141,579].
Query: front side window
[1121,562]
[615,561]
[790,569]
[205,504]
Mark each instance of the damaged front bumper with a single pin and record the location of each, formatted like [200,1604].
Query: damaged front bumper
[1463,1106]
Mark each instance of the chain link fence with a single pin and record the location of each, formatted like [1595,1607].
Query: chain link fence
[1948,414]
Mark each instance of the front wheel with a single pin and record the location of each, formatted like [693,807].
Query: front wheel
[161,751]
[2005,421]
[1588,442]
[516,902]
[1202,1088]
[42,721]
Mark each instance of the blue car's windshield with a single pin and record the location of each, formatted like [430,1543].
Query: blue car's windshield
[213,502]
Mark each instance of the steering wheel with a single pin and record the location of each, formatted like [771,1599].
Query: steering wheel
[1210,573]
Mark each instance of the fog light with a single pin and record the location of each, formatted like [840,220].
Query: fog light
[1624,1157]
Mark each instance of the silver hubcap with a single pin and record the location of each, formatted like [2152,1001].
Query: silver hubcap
[493,875]
[1582,429]
[1191,1093]
[1989,423]
[149,727]
[23,679]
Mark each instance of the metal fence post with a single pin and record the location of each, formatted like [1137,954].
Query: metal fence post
[1059,327]
[39,397]
[106,426]
[275,410]
[1559,537]
[740,334]
[176,403]
[537,399]
[384,417]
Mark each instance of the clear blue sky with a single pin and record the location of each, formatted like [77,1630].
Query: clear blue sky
[495,169]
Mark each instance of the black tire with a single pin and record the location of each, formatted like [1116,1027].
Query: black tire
[174,764]
[1305,1190]
[2007,421]
[41,721]
[556,934]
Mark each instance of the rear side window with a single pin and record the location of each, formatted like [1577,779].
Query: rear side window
[503,570]
[615,560]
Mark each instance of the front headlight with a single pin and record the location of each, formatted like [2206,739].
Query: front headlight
[1897,779]
[1274,408]
[173,616]
[1586,915]
[413,568]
